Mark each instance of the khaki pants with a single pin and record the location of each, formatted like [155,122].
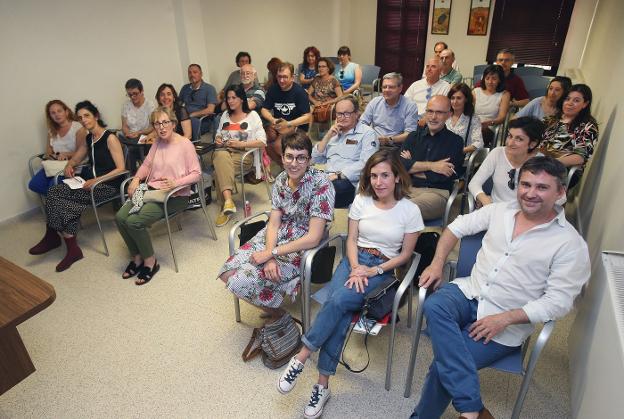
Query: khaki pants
[431,201]
[226,164]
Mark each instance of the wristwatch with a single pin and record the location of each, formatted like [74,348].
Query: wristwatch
[274,251]
[390,140]
[380,270]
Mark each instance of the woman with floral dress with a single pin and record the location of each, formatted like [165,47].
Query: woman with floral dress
[268,266]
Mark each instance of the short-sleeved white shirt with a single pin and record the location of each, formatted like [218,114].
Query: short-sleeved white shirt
[383,229]
[137,119]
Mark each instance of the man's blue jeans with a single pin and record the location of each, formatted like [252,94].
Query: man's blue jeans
[456,356]
[329,330]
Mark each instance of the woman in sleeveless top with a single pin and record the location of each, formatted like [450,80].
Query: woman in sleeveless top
[349,74]
[64,205]
[491,101]
[64,134]
[167,96]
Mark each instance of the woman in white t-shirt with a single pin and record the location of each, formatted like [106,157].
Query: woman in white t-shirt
[503,163]
[64,133]
[383,228]
[239,129]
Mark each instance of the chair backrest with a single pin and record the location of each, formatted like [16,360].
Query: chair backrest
[369,73]
[477,73]
[525,71]
[333,59]
[468,249]
[535,85]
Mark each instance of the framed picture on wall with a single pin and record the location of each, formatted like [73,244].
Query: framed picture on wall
[479,17]
[441,17]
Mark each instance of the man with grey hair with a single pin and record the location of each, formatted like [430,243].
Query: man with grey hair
[449,73]
[391,115]
[345,149]
[424,89]
[253,91]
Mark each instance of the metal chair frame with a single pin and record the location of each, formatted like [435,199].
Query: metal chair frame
[514,363]
[169,217]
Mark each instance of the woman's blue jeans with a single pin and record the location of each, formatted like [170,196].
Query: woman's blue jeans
[456,356]
[329,330]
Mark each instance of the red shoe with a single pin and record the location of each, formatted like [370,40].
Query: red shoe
[74,254]
[50,241]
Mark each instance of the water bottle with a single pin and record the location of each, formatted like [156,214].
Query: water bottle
[247,209]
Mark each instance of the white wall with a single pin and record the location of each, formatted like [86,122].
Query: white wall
[75,50]
[469,50]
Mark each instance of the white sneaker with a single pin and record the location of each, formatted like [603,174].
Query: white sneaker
[319,397]
[288,378]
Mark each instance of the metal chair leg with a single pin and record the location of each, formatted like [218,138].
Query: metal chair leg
[97,218]
[237,309]
[175,262]
[422,293]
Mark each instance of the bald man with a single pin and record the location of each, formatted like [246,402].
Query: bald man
[422,90]
[431,155]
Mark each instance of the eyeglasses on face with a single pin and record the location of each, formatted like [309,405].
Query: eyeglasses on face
[133,94]
[299,158]
[431,112]
[344,114]
[512,179]
[163,124]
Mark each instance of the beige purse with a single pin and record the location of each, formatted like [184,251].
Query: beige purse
[52,167]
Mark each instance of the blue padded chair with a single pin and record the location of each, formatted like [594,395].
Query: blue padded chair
[514,362]
[528,71]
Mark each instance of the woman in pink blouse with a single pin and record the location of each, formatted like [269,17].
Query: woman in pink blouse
[171,162]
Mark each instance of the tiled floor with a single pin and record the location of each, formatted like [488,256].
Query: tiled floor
[107,348]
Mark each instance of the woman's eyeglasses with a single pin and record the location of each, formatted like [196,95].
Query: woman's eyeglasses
[163,124]
[512,179]
[299,158]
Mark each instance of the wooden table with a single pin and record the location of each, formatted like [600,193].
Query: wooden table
[22,295]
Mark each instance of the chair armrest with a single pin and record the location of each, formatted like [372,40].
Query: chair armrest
[122,187]
[309,254]
[449,203]
[238,225]
[571,171]
[105,179]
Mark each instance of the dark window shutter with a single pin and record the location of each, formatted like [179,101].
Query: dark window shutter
[534,29]
[402,37]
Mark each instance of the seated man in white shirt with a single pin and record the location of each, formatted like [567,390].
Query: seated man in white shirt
[422,90]
[531,266]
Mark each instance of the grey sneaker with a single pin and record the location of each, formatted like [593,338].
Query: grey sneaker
[288,378]
[319,397]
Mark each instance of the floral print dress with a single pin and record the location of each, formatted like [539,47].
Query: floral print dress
[314,197]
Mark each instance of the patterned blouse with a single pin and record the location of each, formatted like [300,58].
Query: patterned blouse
[314,197]
[324,90]
[559,141]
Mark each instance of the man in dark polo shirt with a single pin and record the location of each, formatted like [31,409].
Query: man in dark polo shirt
[430,155]
[286,108]
[513,84]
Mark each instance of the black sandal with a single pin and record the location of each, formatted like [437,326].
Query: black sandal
[131,270]
[146,274]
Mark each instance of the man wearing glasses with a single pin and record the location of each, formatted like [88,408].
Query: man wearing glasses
[424,89]
[391,115]
[200,99]
[345,149]
[430,155]
[513,84]
[286,108]
[135,118]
